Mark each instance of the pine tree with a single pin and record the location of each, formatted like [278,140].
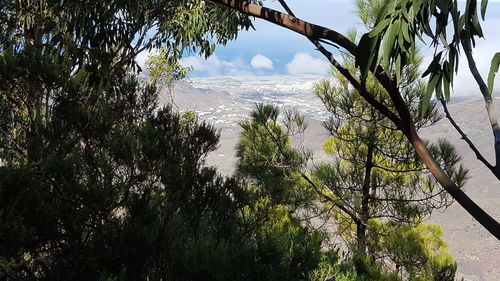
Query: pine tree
[375,176]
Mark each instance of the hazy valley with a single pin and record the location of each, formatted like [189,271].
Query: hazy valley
[223,101]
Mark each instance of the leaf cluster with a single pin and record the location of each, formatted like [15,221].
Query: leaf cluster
[393,34]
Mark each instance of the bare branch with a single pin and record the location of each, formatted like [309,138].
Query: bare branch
[464,136]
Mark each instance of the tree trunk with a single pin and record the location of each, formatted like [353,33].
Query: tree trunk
[34,136]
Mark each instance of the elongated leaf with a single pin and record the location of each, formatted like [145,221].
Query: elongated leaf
[446,87]
[398,69]
[379,27]
[368,51]
[477,25]
[433,65]
[388,43]
[434,79]
[495,62]
[405,31]
[484,4]
[439,87]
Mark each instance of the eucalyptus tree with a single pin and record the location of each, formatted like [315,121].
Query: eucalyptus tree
[385,49]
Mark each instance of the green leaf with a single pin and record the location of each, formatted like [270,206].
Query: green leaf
[379,27]
[433,65]
[368,50]
[484,4]
[495,62]
[476,25]
[388,43]
[405,31]
[439,87]
[434,79]
[398,69]
[446,86]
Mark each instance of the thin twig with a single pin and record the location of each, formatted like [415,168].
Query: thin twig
[464,136]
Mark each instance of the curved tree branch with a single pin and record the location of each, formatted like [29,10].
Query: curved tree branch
[362,90]
[290,22]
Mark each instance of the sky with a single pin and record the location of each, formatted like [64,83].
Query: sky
[272,50]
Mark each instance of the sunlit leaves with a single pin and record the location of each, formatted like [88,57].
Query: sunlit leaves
[389,42]
[495,62]
[164,67]
[422,245]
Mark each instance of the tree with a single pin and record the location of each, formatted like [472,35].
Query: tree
[384,230]
[36,34]
[375,174]
[96,181]
[390,48]
[266,159]
[121,192]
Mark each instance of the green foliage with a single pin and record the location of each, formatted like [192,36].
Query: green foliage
[376,185]
[272,170]
[373,160]
[419,252]
[412,253]
[163,68]
[495,63]
[120,192]
[266,159]
[332,267]
[393,33]
[96,181]
[286,249]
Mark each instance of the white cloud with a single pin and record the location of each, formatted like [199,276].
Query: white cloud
[213,66]
[303,63]
[260,61]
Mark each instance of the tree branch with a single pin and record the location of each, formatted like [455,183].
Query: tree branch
[465,138]
[490,106]
[362,90]
[290,22]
